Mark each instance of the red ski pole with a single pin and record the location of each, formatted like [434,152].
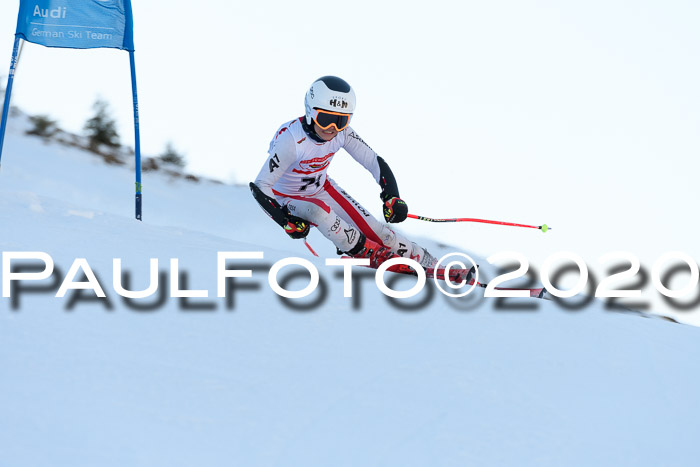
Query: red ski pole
[543,227]
[309,247]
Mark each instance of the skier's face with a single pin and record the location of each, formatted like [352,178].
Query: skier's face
[327,134]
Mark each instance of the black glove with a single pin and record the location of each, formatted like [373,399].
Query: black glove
[395,210]
[297,227]
[294,226]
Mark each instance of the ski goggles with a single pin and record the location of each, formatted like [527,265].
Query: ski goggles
[325,119]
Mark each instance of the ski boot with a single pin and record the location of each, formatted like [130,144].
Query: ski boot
[376,253]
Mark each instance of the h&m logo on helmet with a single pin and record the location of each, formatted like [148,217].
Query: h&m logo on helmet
[335,102]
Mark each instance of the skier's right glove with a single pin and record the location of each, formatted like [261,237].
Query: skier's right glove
[296,227]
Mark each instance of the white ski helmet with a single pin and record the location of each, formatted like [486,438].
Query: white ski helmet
[329,93]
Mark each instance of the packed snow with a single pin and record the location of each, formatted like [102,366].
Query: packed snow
[251,380]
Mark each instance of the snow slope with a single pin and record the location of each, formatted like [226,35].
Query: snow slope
[203,381]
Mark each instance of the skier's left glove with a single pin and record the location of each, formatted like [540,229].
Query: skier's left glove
[297,227]
[395,210]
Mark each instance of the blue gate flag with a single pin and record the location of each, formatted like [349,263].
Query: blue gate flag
[77,24]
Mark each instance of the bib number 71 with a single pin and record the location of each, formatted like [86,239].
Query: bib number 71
[308,181]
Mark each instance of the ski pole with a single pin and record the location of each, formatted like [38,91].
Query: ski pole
[309,247]
[543,227]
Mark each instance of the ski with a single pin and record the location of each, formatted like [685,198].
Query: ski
[457,276]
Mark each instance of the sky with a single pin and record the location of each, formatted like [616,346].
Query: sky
[581,116]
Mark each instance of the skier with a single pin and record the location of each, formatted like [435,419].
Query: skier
[294,190]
